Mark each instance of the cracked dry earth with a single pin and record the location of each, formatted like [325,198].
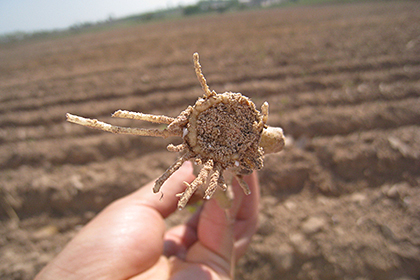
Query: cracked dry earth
[342,201]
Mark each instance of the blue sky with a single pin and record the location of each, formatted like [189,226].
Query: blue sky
[35,15]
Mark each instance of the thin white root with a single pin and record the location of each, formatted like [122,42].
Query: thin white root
[191,188]
[93,123]
[243,184]
[200,76]
[143,117]
[171,170]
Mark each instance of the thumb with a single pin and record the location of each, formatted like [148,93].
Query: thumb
[124,240]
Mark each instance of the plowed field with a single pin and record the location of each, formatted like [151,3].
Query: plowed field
[342,201]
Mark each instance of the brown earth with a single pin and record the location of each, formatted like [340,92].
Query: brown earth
[342,201]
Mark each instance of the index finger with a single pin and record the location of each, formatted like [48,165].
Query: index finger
[224,234]
[246,206]
[246,214]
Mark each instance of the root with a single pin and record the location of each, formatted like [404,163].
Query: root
[243,184]
[177,148]
[171,170]
[191,188]
[181,121]
[220,130]
[143,117]
[201,78]
[264,112]
[221,182]
[214,182]
[93,123]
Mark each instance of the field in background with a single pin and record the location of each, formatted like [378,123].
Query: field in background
[341,202]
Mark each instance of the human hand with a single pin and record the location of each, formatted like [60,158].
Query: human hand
[128,240]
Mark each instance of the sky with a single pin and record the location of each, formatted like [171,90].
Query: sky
[37,15]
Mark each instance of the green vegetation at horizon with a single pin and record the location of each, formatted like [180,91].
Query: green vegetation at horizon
[159,15]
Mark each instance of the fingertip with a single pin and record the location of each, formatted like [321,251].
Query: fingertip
[183,174]
[187,165]
[252,181]
[164,200]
